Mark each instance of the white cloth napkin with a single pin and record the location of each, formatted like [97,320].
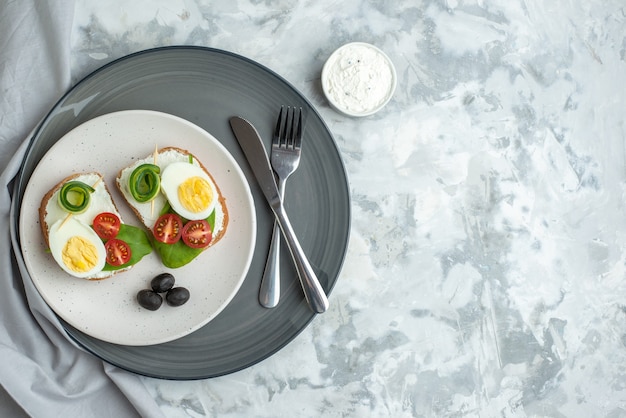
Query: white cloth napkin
[43,371]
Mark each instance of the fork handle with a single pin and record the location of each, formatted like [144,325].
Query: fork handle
[269,292]
[313,290]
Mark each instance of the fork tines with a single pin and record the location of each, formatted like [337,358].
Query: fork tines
[288,133]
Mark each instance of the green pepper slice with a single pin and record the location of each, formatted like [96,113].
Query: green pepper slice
[74,196]
[144,182]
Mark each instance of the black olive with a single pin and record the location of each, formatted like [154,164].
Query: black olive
[149,299]
[162,283]
[177,296]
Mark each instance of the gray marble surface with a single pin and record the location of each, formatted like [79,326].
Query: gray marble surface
[486,268]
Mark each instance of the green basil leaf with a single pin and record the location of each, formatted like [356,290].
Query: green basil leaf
[175,255]
[139,244]
[178,254]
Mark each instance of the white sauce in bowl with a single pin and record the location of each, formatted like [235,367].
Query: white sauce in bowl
[358,79]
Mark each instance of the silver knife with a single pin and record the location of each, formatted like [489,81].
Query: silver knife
[253,148]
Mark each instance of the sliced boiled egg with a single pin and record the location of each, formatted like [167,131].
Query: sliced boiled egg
[189,190]
[76,248]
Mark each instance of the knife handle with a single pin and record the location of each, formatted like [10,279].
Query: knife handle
[313,291]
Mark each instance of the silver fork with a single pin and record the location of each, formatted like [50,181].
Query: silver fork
[285,158]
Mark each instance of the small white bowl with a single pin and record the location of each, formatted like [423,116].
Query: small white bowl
[358,79]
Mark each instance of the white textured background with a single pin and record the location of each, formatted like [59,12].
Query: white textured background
[485,274]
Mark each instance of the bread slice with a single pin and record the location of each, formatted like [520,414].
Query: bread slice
[149,212]
[50,212]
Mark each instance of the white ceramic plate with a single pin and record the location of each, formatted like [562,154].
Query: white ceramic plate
[107,309]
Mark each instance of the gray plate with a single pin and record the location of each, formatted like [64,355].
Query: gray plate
[207,86]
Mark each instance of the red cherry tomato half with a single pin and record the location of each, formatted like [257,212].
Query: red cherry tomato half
[168,228]
[106,225]
[197,234]
[118,252]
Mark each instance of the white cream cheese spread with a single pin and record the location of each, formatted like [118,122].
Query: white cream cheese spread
[358,79]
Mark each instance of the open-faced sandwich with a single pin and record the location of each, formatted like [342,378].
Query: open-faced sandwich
[178,200]
[84,231]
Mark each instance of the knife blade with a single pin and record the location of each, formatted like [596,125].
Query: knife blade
[252,146]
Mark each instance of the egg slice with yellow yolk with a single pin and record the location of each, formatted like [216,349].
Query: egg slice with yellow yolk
[76,248]
[189,190]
